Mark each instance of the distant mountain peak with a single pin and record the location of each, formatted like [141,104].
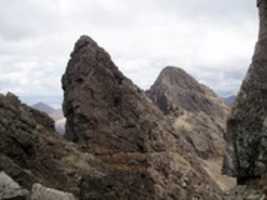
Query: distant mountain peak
[176,90]
[176,76]
[44,108]
[230,100]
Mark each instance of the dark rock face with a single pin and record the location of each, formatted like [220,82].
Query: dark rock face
[246,151]
[31,151]
[196,110]
[106,110]
[114,120]
[118,186]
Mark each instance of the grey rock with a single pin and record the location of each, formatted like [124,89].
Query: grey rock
[175,89]
[40,192]
[246,133]
[105,110]
[118,185]
[10,190]
[246,193]
[195,109]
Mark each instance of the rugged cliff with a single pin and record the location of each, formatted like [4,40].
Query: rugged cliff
[31,151]
[195,110]
[246,135]
[114,120]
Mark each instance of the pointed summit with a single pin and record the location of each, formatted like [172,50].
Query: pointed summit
[175,90]
[103,108]
[114,120]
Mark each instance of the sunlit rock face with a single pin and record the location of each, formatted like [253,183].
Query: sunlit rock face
[246,153]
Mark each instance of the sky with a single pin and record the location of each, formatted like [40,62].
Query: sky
[212,40]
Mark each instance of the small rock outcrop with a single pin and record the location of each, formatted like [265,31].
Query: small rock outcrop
[114,120]
[10,190]
[40,192]
[195,109]
[247,127]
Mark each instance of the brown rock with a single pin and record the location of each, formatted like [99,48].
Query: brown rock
[113,119]
[31,151]
[196,110]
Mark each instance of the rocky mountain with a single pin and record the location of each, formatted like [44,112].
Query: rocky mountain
[122,143]
[114,120]
[55,114]
[197,113]
[176,90]
[246,126]
[195,109]
[44,108]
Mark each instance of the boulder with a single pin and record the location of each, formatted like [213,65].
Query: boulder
[11,190]
[40,192]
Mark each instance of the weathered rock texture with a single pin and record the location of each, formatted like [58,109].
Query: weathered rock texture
[113,119]
[40,192]
[196,110]
[246,156]
[197,113]
[31,151]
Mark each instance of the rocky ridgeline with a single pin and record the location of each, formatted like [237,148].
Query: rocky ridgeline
[247,133]
[123,146]
[114,120]
[195,110]
[198,114]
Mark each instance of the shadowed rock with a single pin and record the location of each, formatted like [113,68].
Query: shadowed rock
[10,190]
[246,154]
[31,151]
[105,110]
[40,192]
[175,90]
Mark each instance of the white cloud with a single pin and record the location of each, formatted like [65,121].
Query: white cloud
[212,41]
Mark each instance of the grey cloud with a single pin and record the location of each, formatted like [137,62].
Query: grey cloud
[213,40]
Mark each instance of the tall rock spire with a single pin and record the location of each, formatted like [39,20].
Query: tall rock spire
[111,118]
[246,154]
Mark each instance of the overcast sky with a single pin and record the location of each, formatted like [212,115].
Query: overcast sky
[212,40]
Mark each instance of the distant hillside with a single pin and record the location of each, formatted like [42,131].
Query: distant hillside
[230,100]
[44,108]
